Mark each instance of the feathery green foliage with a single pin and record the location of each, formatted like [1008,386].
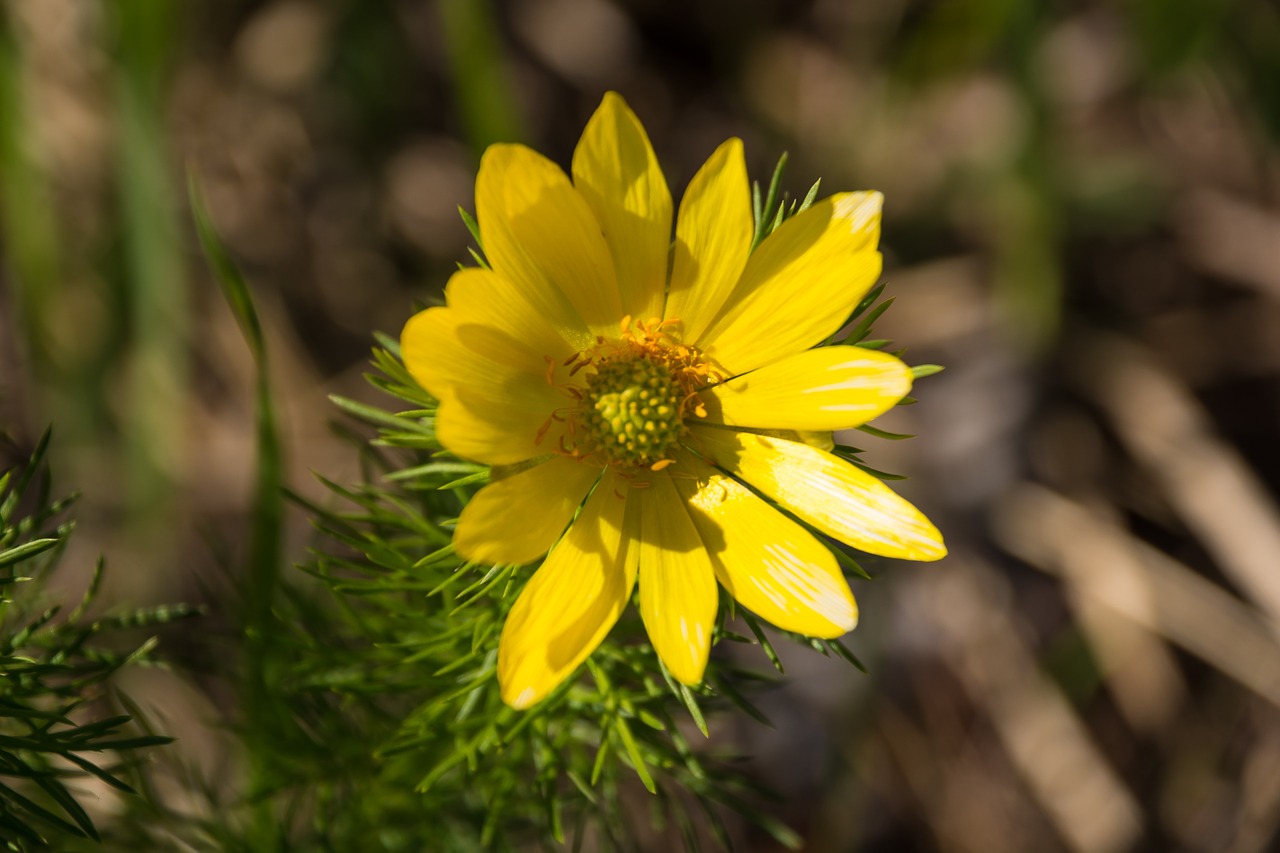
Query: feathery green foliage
[58,723]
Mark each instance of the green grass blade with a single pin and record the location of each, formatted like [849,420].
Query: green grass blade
[265,717]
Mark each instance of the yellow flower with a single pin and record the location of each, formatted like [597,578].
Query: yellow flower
[636,390]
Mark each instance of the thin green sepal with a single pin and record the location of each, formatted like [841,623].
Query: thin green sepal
[726,689]
[863,328]
[883,433]
[851,564]
[685,696]
[766,212]
[477,477]
[472,226]
[767,646]
[875,472]
[843,651]
[809,197]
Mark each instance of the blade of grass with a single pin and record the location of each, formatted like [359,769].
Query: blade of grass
[479,75]
[152,283]
[265,719]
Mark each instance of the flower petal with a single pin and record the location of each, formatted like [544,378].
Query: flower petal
[833,495]
[539,233]
[616,171]
[518,518]
[484,297]
[678,592]
[492,431]
[713,238]
[828,388]
[442,359]
[490,410]
[571,601]
[767,562]
[800,285]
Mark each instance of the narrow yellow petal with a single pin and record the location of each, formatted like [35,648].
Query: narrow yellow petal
[571,601]
[678,592]
[485,298]
[518,518]
[432,353]
[828,388]
[440,359]
[713,239]
[541,235]
[490,410]
[800,285]
[616,171]
[825,491]
[491,430]
[767,562]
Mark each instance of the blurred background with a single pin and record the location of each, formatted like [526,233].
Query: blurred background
[1081,223]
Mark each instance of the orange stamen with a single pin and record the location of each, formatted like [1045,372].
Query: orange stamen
[542,431]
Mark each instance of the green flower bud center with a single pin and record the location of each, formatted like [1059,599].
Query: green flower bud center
[632,410]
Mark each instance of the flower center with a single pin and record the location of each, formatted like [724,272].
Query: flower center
[639,388]
[632,409]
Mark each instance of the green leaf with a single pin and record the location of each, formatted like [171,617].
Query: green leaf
[875,472]
[860,331]
[725,687]
[883,433]
[685,695]
[378,416]
[261,592]
[424,471]
[7,793]
[809,197]
[867,301]
[470,479]
[472,226]
[843,651]
[633,751]
[763,640]
[26,551]
[768,216]
[225,271]
[18,489]
[851,565]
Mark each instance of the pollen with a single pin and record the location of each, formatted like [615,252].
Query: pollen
[632,409]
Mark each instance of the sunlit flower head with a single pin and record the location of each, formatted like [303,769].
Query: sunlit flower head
[638,396]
